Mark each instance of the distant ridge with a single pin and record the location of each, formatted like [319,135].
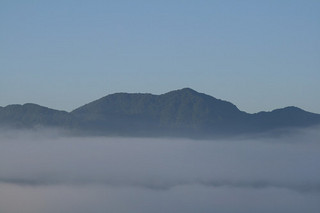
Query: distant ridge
[179,113]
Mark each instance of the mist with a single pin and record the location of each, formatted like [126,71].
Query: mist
[46,171]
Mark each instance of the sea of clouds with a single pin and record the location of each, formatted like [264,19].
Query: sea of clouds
[46,172]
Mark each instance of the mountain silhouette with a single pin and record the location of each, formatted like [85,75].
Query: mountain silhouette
[179,113]
[30,115]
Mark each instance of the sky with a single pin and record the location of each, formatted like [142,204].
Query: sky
[259,55]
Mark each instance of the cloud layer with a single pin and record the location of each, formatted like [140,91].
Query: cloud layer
[100,171]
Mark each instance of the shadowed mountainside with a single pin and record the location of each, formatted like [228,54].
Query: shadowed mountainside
[184,113]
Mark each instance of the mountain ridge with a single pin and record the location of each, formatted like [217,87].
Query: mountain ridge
[180,113]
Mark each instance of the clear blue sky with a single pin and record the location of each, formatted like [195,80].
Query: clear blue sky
[259,55]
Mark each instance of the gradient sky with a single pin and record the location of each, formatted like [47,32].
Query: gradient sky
[259,55]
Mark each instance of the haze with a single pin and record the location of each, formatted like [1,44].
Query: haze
[46,172]
[259,55]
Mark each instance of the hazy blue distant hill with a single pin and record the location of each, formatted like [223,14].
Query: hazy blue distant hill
[282,118]
[30,115]
[184,112]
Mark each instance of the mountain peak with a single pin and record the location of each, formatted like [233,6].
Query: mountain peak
[187,89]
[183,91]
[290,109]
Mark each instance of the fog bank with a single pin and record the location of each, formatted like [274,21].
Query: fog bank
[48,172]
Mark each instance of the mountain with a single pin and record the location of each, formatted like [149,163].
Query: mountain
[30,115]
[177,113]
[283,118]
